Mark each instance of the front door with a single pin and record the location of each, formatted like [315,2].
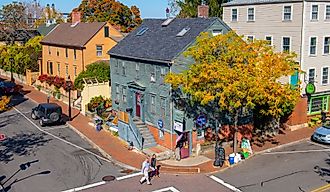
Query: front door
[138,104]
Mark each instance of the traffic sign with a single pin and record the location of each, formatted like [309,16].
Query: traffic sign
[160,123]
[201,120]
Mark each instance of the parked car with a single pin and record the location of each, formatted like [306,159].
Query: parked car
[322,134]
[47,113]
[7,87]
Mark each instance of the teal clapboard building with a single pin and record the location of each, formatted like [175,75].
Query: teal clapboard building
[139,64]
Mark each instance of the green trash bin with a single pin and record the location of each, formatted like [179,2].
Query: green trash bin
[245,155]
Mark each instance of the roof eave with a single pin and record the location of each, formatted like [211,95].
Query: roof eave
[138,58]
[259,3]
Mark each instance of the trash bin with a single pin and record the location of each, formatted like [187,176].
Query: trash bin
[231,158]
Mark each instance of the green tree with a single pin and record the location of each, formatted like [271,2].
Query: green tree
[238,75]
[189,7]
[110,11]
[98,70]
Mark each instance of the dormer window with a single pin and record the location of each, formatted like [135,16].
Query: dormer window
[216,32]
[106,31]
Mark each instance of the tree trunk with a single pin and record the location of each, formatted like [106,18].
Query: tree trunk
[236,128]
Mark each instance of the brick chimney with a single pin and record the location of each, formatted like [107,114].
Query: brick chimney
[203,11]
[76,17]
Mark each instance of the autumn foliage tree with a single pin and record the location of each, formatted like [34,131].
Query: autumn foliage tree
[111,11]
[238,75]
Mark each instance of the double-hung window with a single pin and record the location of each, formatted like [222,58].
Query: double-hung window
[153,74]
[59,69]
[287,13]
[124,95]
[286,41]
[123,68]
[117,67]
[234,15]
[250,14]
[99,50]
[327,12]
[315,12]
[269,40]
[326,45]
[74,54]
[312,46]
[325,75]
[250,38]
[66,53]
[137,70]
[163,107]
[311,75]
[152,103]
[117,92]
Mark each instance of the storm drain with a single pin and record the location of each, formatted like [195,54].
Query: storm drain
[108,178]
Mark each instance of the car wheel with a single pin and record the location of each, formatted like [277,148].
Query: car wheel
[33,116]
[41,122]
[312,138]
[54,117]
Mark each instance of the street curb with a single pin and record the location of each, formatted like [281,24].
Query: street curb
[116,162]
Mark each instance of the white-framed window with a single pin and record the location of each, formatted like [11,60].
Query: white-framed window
[325,75]
[216,32]
[117,67]
[124,91]
[327,12]
[117,92]
[58,68]
[74,54]
[99,50]
[311,75]
[234,14]
[287,12]
[152,103]
[153,74]
[286,44]
[123,69]
[269,40]
[315,12]
[137,70]
[75,70]
[312,46]
[326,45]
[250,37]
[163,107]
[66,70]
[250,14]
[49,52]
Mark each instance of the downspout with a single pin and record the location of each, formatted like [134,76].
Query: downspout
[171,109]
[83,60]
[302,39]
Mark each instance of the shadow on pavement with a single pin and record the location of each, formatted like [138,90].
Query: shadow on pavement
[21,144]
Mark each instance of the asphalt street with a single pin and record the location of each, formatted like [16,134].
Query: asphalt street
[289,169]
[57,158]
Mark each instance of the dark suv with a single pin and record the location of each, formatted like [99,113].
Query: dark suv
[47,113]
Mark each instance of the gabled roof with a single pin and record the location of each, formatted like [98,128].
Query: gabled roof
[78,35]
[160,43]
[255,2]
[44,29]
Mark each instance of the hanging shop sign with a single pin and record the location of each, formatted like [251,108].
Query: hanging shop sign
[178,126]
[178,116]
[310,88]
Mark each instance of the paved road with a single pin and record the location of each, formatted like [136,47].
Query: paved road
[55,165]
[289,169]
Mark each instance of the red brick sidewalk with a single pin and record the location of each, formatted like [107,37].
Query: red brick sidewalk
[118,150]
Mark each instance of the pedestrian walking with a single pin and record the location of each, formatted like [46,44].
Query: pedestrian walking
[153,166]
[145,171]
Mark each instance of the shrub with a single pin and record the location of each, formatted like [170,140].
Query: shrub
[58,82]
[4,102]
[42,78]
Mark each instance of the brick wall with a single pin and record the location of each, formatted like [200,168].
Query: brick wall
[299,114]
[166,140]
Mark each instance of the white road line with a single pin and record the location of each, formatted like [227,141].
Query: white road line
[167,189]
[318,144]
[54,128]
[128,176]
[86,187]
[65,141]
[225,184]
[292,152]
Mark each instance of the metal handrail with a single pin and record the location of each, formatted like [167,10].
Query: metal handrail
[136,132]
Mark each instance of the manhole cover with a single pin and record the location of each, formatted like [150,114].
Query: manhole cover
[108,178]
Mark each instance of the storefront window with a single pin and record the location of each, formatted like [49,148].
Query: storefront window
[316,104]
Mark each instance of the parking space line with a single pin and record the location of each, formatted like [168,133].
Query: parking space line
[323,188]
[293,152]
[85,187]
[229,186]
[318,144]
[173,189]
[53,128]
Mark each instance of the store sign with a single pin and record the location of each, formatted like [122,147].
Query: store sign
[178,115]
[310,88]
[178,126]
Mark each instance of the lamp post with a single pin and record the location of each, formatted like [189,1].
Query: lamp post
[68,88]
[11,69]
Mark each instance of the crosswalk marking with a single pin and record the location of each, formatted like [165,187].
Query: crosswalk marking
[173,189]
[225,184]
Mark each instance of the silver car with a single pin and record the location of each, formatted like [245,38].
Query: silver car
[322,134]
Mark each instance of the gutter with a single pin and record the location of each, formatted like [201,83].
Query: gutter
[137,58]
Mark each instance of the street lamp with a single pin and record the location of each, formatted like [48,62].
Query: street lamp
[11,69]
[68,89]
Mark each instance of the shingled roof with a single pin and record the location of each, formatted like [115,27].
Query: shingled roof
[66,34]
[255,2]
[161,43]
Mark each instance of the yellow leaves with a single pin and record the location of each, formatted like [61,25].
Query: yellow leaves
[4,101]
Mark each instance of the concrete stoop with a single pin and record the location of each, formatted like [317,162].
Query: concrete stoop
[161,152]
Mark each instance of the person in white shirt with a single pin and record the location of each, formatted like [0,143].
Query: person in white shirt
[145,171]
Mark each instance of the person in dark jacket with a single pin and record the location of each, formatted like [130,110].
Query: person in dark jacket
[153,166]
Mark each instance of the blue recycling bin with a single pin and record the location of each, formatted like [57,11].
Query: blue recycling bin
[231,159]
